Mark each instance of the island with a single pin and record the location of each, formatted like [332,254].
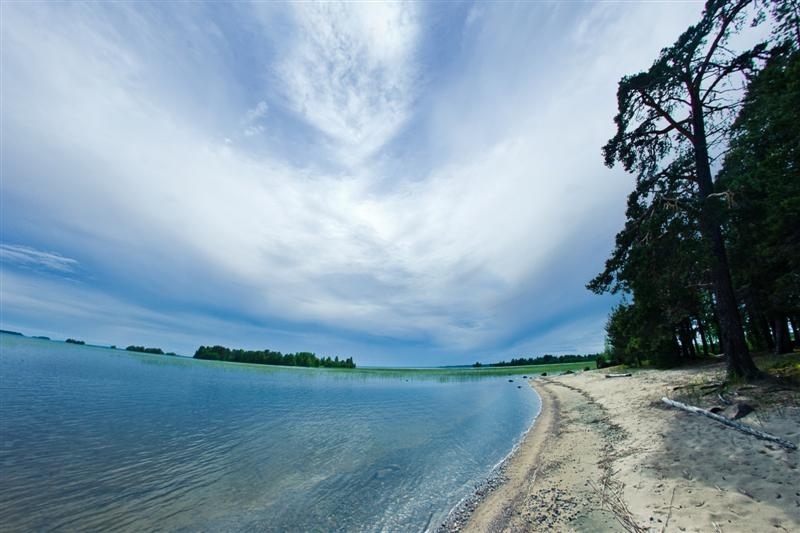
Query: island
[269,357]
[142,349]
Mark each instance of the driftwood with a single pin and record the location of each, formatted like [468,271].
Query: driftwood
[618,375]
[730,423]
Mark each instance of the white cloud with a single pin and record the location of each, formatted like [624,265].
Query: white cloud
[30,257]
[511,220]
[251,130]
[80,310]
[349,71]
[259,111]
[252,117]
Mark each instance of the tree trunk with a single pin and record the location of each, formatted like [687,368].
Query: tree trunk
[683,348]
[766,331]
[693,333]
[688,334]
[734,345]
[702,331]
[716,342]
[783,343]
[761,333]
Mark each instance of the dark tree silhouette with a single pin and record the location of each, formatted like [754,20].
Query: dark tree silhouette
[678,112]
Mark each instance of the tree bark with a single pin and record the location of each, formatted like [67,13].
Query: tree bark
[734,345]
[702,331]
[759,333]
[766,331]
[692,336]
[783,343]
[686,339]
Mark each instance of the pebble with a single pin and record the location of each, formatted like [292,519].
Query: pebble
[459,516]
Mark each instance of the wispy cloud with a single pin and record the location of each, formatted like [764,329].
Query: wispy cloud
[252,118]
[29,257]
[349,71]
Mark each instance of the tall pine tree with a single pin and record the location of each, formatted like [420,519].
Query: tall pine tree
[680,111]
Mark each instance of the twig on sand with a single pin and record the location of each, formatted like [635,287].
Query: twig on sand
[533,477]
[745,493]
[669,514]
[617,506]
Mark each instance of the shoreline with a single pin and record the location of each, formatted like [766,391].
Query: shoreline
[607,455]
[498,480]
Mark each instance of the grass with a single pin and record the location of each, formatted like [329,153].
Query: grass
[472,372]
[778,390]
[444,374]
[786,366]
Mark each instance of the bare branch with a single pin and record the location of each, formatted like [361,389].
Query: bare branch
[666,116]
[726,71]
[667,129]
[727,195]
[727,20]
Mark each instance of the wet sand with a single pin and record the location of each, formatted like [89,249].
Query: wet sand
[608,455]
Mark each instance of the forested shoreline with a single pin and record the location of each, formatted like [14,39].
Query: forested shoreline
[709,258]
[546,359]
[269,357]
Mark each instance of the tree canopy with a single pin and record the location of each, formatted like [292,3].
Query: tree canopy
[546,359]
[762,174]
[269,357]
[675,123]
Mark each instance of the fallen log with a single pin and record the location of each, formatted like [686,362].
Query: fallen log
[730,423]
[618,375]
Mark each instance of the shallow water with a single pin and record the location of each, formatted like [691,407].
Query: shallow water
[93,438]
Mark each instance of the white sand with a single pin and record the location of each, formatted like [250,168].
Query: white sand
[605,450]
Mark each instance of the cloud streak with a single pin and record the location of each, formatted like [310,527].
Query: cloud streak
[30,257]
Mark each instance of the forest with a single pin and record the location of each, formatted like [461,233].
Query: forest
[708,260]
[142,349]
[546,359]
[269,357]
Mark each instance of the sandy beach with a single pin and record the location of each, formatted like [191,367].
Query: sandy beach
[608,455]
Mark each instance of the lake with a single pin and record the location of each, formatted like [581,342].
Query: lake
[102,439]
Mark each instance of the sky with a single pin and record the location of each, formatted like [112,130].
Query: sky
[407,184]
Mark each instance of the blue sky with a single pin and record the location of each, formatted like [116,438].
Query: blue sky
[403,183]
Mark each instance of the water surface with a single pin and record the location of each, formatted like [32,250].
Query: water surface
[94,438]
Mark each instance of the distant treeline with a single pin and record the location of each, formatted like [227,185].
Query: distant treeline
[268,357]
[543,360]
[74,341]
[142,349]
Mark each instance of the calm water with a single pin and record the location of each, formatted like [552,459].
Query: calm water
[92,438]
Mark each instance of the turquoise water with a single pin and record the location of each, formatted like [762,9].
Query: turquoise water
[93,438]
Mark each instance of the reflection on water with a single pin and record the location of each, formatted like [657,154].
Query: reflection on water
[100,439]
